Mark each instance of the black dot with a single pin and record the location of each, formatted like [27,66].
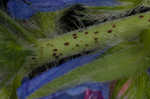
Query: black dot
[33,58]
[75,37]
[141,16]
[55,49]
[74,34]
[86,33]
[54,54]
[95,38]
[109,31]
[113,25]
[66,43]
[56,57]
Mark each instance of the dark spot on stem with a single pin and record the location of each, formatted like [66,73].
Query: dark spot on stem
[96,32]
[141,16]
[113,25]
[75,37]
[56,57]
[33,58]
[96,39]
[54,54]
[74,34]
[61,54]
[55,49]
[86,45]
[77,45]
[86,33]
[66,43]
[109,31]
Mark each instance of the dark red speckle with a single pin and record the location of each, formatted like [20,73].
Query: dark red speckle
[74,36]
[141,16]
[86,33]
[66,43]
[109,31]
[113,25]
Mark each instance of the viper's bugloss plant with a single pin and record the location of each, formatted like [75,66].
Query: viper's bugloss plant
[22,50]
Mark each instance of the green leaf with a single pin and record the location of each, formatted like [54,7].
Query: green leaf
[138,89]
[13,54]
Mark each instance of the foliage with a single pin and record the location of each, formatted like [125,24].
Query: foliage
[19,46]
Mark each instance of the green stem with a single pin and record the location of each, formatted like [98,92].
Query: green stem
[95,37]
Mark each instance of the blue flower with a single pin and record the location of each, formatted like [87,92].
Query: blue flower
[24,9]
[19,9]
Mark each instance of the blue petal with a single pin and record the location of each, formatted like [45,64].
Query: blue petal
[31,86]
[19,10]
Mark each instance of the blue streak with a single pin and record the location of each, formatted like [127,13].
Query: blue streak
[31,86]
